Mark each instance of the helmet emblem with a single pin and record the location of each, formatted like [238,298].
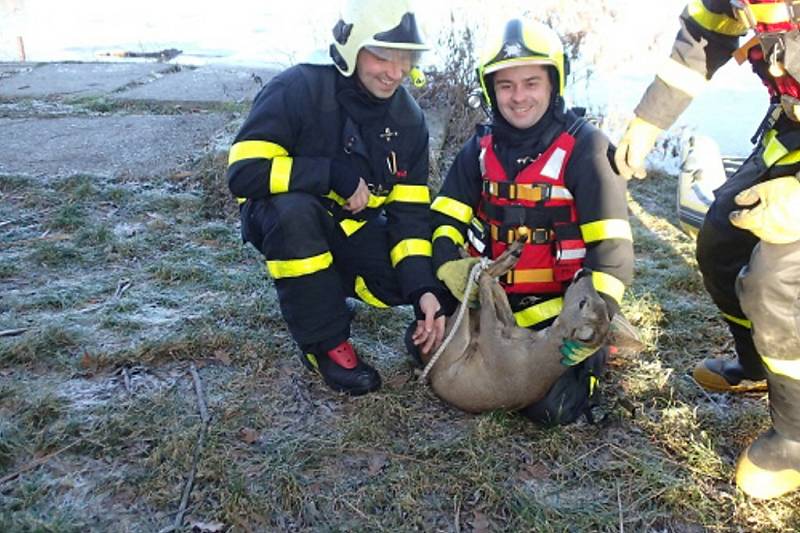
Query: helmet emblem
[512,50]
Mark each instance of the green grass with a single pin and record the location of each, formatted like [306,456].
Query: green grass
[50,346]
[135,281]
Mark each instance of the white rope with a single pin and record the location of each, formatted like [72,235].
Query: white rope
[480,266]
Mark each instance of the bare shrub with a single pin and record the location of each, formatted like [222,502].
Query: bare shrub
[447,91]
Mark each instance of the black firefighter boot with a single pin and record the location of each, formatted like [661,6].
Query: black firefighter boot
[412,349]
[770,467]
[723,375]
[342,370]
[743,374]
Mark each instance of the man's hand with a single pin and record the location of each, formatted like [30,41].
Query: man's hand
[455,274]
[430,332]
[358,201]
[575,352]
[638,141]
[773,210]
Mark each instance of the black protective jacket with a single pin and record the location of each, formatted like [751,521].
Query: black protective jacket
[599,193]
[309,115]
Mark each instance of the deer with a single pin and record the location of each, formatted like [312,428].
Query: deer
[490,363]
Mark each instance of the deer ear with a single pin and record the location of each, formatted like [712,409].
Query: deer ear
[625,336]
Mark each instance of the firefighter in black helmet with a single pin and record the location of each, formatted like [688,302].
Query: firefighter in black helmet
[330,170]
[748,247]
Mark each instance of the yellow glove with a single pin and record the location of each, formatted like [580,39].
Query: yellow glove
[639,139]
[774,210]
[455,274]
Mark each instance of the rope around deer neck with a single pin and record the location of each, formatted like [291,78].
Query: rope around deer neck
[476,270]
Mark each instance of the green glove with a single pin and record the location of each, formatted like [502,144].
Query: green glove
[772,212]
[574,352]
[455,274]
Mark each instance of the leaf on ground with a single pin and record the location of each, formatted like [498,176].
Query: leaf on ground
[535,471]
[223,357]
[376,462]
[398,380]
[248,435]
[181,174]
[206,527]
[480,524]
[88,362]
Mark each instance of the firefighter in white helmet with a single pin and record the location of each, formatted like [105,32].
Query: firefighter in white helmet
[331,171]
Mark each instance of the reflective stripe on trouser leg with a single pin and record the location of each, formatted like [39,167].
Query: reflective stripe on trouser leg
[722,251]
[365,255]
[296,227]
[768,289]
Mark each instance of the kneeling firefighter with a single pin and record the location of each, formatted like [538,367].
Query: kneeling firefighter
[748,247]
[331,171]
[541,173]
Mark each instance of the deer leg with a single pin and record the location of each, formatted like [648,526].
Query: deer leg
[504,314]
[488,316]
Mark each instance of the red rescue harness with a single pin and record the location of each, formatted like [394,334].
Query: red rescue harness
[537,206]
[767,32]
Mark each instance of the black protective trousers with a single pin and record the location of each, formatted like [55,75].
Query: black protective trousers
[297,225]
[751,279]
[722,251]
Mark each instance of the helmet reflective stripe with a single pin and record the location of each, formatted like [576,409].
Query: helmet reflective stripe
[523,43]
[373,23]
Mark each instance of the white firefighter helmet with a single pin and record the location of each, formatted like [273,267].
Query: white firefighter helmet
[702,171]
[376,25]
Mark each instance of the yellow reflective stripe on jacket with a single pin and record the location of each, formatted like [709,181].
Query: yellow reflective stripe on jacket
[775,153]
[770,13]
[783,367]
[255,150]
[608,284]
[350,226]
[611,228]
[409,247]
[715,22]
[737,320]
[530,316]
[451,233]
[366,295]
[293,268]
[417,194]
[789,159]
[374,201]
[774,150]
[452,208]
[681,77]
[280,174]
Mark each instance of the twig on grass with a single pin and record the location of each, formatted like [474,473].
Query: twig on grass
[198,448]
[36,463]
[122,286]
[457,517]
[13,332]
[126,380]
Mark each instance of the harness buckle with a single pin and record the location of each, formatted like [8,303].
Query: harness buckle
[545,190]
[793,6]
[533,235]
[540,236]
[743,13]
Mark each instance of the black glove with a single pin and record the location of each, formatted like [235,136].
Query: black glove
[345,174]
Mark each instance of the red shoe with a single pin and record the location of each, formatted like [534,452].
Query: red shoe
[343,371]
